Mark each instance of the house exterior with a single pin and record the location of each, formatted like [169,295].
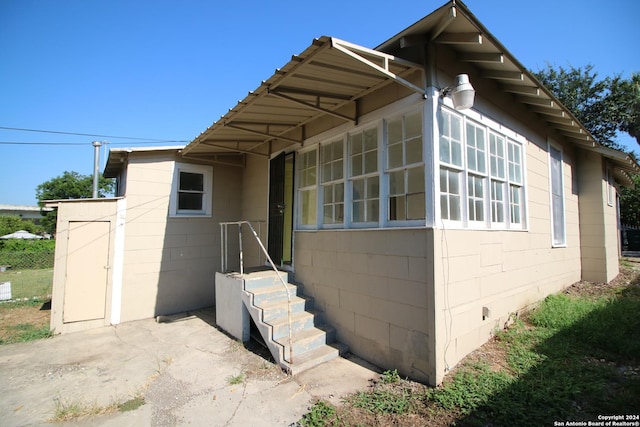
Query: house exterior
[418,228]
[34,213]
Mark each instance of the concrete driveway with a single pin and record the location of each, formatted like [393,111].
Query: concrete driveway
[184,369]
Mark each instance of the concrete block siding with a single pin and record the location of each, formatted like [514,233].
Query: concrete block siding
[374,286]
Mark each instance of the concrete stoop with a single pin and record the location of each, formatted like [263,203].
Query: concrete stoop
[312,341]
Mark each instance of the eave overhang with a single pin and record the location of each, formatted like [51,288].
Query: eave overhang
[324,80]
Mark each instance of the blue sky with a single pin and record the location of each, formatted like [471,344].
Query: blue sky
[166,70]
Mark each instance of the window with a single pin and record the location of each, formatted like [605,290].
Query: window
[364,176]
[557,196]
[332,179]
[307,187]
[481,173]
[515,183]
[450,167]
[476,172]
[405,168]
[498,177]
[191,190]
[610,188]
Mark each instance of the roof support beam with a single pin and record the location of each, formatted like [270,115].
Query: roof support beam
[312,106]
[355,52]
[556,112]
[257,132]
[444,23]
[503,75]
[235,150]
[282,89]
[523,90]
[497,58]
[459,38]
[543,102]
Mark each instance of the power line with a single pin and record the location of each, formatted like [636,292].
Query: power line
[90,134]
[77,143]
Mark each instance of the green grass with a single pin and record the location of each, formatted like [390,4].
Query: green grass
[567,361]
[27,332]
[573,358]
[235,379]
[29,283]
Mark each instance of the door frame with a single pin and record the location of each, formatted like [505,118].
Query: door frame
[281,189]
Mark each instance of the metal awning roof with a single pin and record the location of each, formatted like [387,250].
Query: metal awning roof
[323,80]
[330,74]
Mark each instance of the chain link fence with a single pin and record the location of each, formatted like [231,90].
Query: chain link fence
[26,275]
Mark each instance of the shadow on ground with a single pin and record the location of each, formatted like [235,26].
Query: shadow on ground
[589,369]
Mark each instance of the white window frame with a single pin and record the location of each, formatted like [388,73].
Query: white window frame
[407,165]
[512,143]
[610,187]
[332,182]
[561,242]
[350,178]
[450,167]
[310,187]
[207,191]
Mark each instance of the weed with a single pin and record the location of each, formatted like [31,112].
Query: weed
[390,377]
[25,332]
[66,410]
[471,387]
[131,404]
[320,414]
[235,379]
[384,401]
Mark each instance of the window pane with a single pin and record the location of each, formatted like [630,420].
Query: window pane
[456,153]
[328,194]
[397,208]
[414,151]
[190,201]
[394,153]
[415,180]
[373,207]
[309,206]
[371,139]
[371,161]
[394,131]
[455,208]
[373,187]
[191,181]
[445,155]
[413,125]
[356,143]
[357,211]
[356,165]
[396,182]
[358,189]
[416,206]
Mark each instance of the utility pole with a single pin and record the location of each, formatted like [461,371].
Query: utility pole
[96,167]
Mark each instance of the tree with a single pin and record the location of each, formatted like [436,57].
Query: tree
[605,107]
[70,185]
[13,223]
[630,203]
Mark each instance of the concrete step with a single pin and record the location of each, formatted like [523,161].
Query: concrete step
[265,295]
[278,308]
[262,279]
[308,340]
[316,357]
[300,322]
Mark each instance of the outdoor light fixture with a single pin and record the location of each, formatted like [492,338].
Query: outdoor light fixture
[462,93]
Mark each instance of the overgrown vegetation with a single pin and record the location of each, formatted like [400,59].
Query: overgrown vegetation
[27,254]
[573,358]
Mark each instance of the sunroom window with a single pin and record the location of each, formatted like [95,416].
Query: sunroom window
[405,168]
[332,179]
[307,187]
[481,173]
[364,180]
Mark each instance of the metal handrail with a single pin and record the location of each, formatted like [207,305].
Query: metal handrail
[223,265]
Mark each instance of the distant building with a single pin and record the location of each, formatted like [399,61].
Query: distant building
[24,211]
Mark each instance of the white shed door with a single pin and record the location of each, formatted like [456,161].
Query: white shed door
[85,290]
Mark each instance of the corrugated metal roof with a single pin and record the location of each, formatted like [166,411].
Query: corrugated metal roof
[330,74]
[323,80]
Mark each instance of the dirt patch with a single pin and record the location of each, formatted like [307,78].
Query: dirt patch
[13,318]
